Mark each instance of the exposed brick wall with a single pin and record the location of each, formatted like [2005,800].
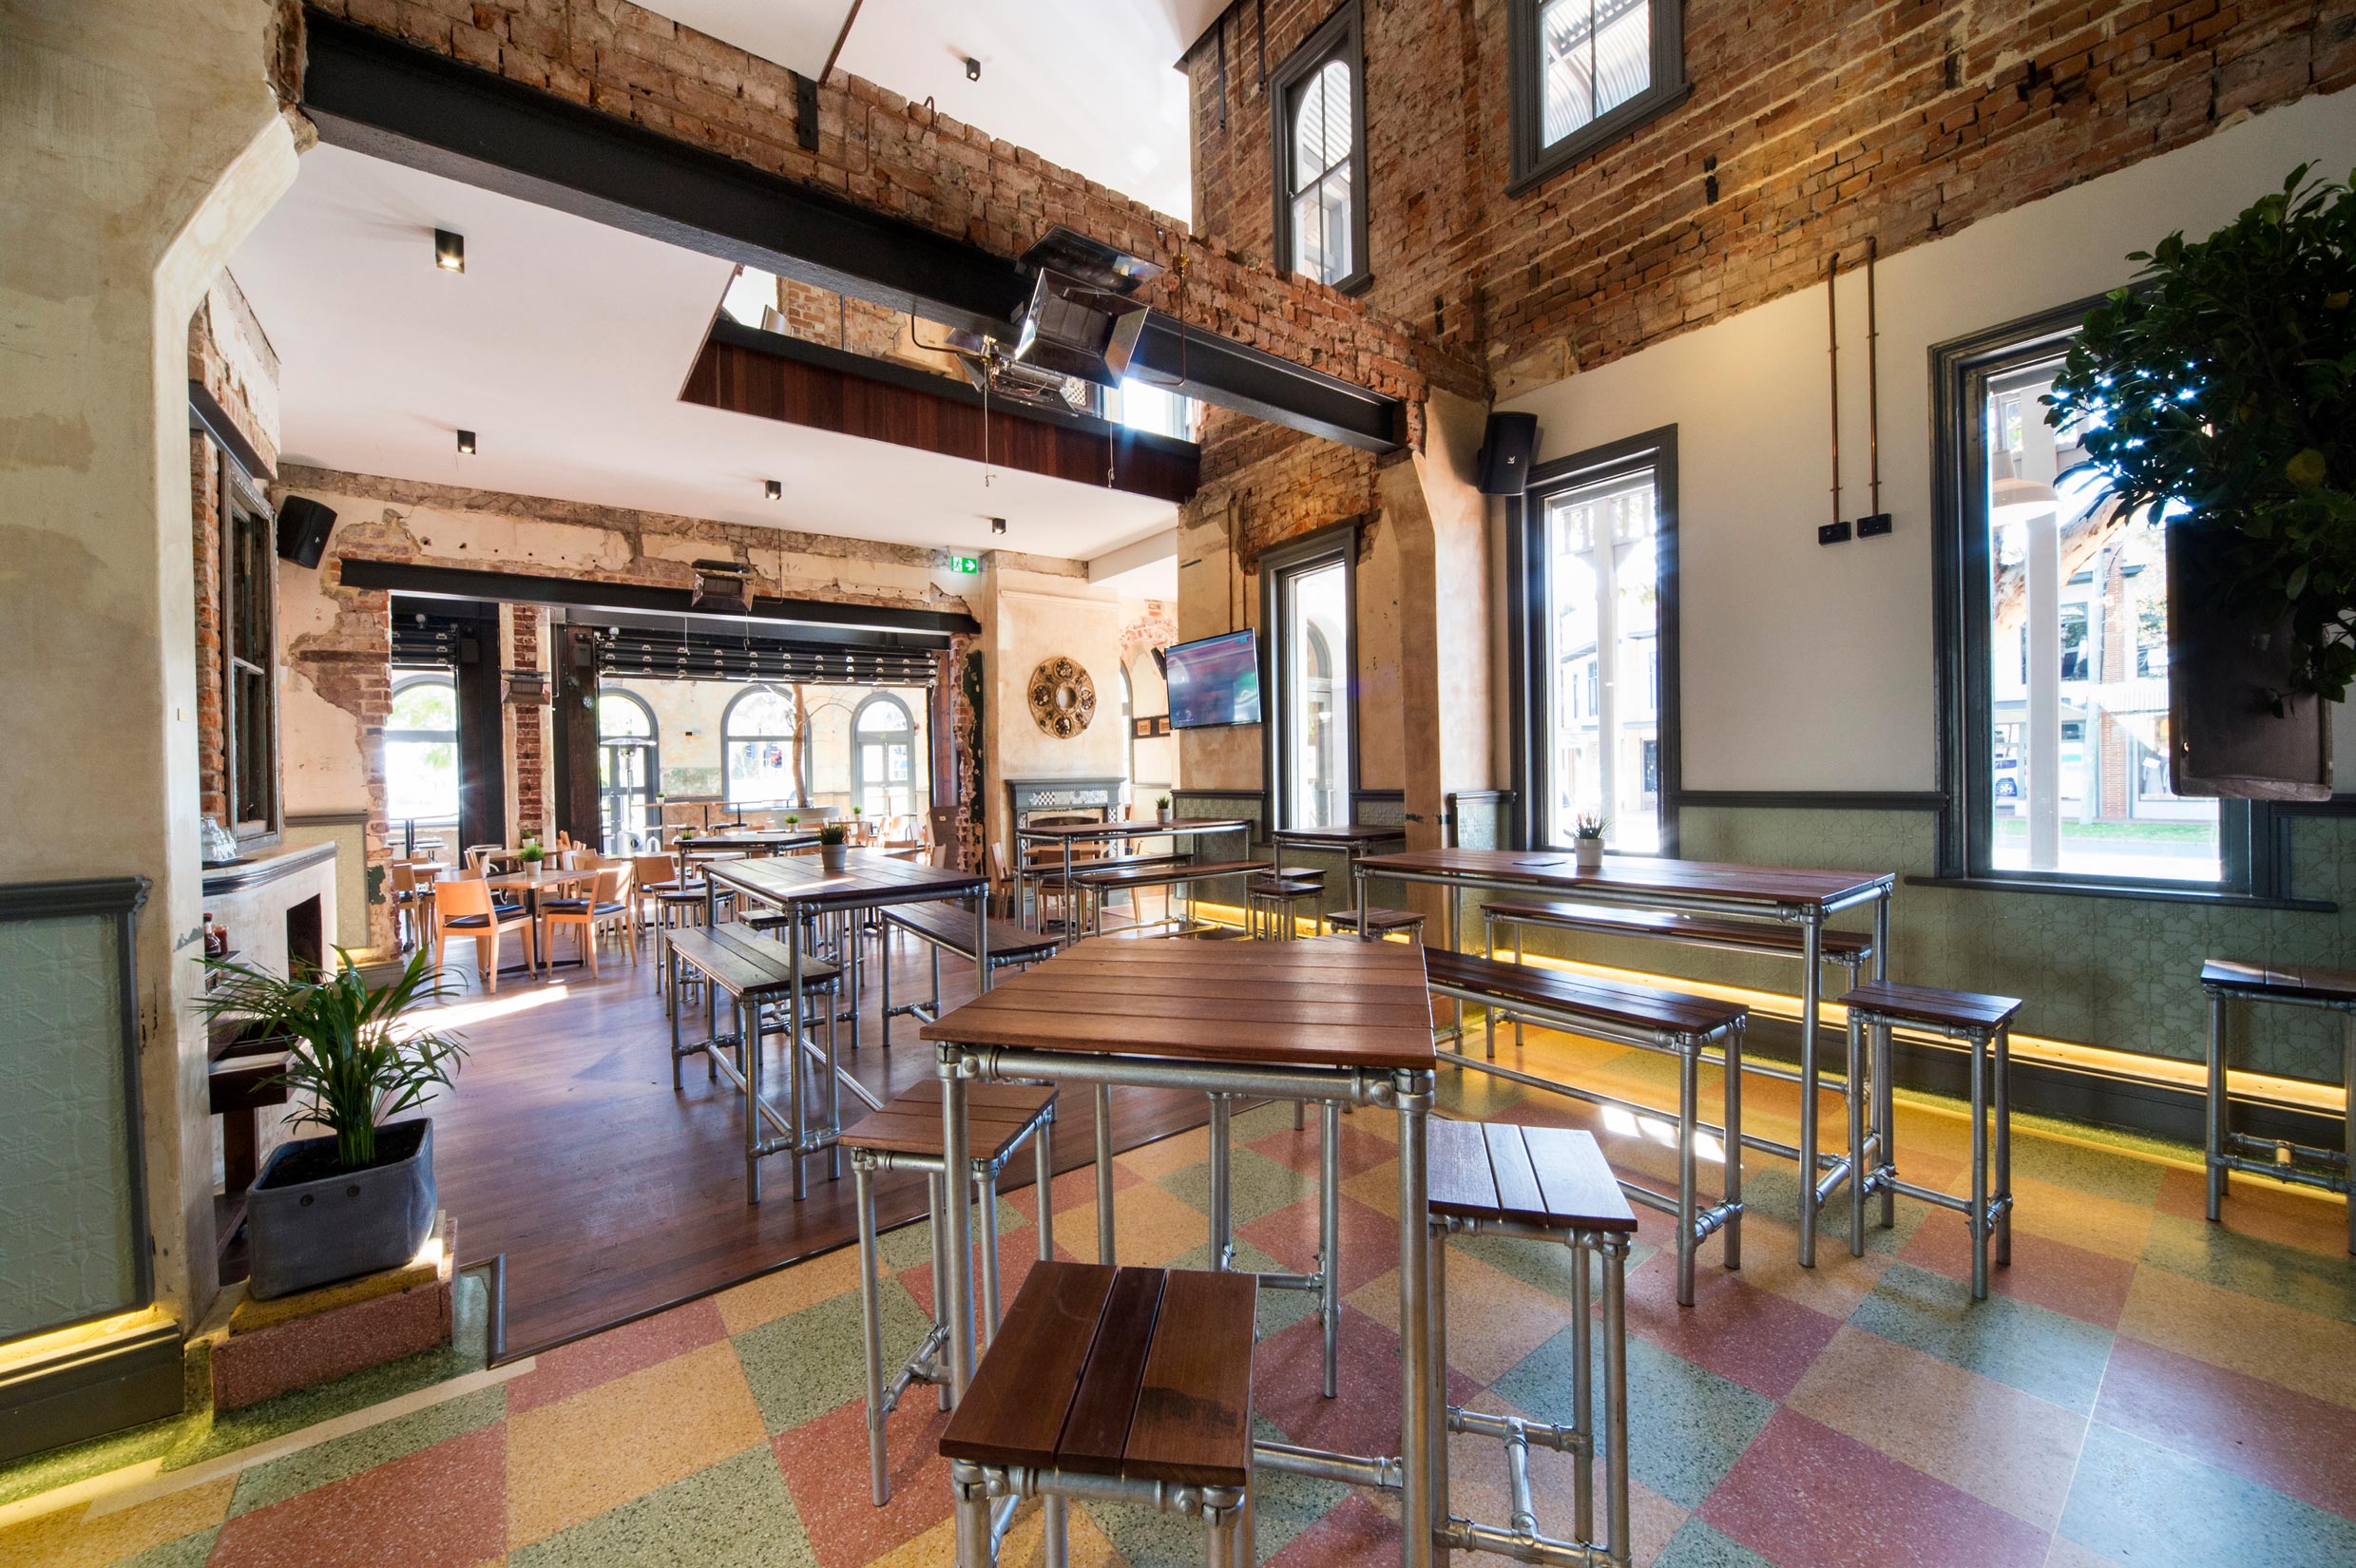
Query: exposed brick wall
[348,662]
[896,157]
[528,757]
[1825,121]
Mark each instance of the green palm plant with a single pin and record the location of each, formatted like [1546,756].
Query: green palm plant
[352,1061]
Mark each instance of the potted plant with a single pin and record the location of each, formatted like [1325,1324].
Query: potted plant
[1162,809]
[531,854]
[358,1198]
[1587,841]
[2221,390]
[832,850]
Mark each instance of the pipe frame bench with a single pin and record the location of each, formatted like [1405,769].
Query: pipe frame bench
[2226,1151]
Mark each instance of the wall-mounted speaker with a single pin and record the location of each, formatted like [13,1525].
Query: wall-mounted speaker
[303,527]
[1506,448]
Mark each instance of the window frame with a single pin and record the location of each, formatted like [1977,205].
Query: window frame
[1335,543]
[1528,678]
[252,822]
[407,678]
[799,741]
[859,781]
[2250,852]
[1340,36]
[1535,162]
[651,743]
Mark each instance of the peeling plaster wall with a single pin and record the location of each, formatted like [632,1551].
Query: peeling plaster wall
[1031,616]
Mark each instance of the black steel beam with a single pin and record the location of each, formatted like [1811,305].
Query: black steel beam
[393,101]
[933,627]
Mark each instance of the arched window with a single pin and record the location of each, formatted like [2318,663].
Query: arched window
[1320,111]
[764,749]
[883,758]
[628,768]
[421,750]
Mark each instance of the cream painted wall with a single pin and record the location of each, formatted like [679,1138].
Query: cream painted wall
[137,147]
[1808,668]
[1027,616]
[1155,760]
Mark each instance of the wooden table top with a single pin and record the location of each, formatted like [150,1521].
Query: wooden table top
[1345,833]
[867,877]
[1330,1001]
[1767,885]
[757,838]
[2306,981]
[1083,831]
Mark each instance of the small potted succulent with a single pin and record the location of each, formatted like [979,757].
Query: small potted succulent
[531,854]
[859,824]
[1587,840]
[1162,809]
[358,1199]
[833,841]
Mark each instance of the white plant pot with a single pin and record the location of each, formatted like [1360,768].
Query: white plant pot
[1590,853]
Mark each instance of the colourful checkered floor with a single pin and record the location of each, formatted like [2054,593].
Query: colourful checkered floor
[2142,1387]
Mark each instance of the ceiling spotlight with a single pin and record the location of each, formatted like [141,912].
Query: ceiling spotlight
[449,251]
[465,442]
[773,489]
[997,525]
[973,69]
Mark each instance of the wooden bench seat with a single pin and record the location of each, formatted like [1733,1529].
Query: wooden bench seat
[947,926]
[999,1114]
[1144,1374]
[1551,1176]
[1962,1011]
[1643,1008]
[747,968]
[1049,871]
[2295,982]
[1377,921]
[1698,930]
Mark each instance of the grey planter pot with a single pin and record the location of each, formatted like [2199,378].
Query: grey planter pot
[304,1235]
[833,856]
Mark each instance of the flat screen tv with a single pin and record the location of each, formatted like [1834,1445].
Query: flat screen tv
[1216,681]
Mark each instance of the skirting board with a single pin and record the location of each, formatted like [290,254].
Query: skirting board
[91,1391]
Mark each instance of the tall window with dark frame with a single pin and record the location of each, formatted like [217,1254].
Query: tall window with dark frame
[1308,612]
[2057,648]
[1587,71]
[1597,660]
[249,660]
[629,769]
[1319,138]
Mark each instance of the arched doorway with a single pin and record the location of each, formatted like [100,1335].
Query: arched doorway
[628,764]
[883,758]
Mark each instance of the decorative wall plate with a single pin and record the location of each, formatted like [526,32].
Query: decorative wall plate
[1062,698]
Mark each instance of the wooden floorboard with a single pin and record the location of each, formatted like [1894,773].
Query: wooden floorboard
[564,1147]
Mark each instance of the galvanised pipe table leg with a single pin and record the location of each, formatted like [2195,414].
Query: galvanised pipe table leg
[1812,982]
[1043,1179]
[870,1334]
[1881,1050]
[1689,1090]
[1582,1394]
[2213,1124]
[1105,1173]
[1730,1190]
[1420,1379]
[1857,1082]
[957,1294]
[1436,1409]
[1222,1207]
[1329,1237]
[1616,1396]
[937,1223]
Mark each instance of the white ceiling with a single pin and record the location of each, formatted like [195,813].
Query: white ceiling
[563,346]
[1091,84]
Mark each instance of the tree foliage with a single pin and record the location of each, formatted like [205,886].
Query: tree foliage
[2222,385]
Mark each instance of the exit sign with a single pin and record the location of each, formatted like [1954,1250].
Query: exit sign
[964,564]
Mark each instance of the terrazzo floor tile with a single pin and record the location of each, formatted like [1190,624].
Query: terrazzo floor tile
[2002,1446]
[1696,1545]
[799,1367]
[1693,1424]
[2313,1282]
[620,1440]
[774,1295]
[2262,1210]
[1771,1262]
[331,1460]
[1257,1186]
[1367,1242]
[2264,1339]
[1363,1417]
[1377,1187]
[82,1537]
[1158,1158]
[2140,1503]
[1502,1319]
[2091,1287]
[733,1514]
[442,1508]
[1862,1509]
[1360,1149]
[2065,1553]
[2057,1357]
[1355,1535]
[1756,1338]
[569,1369]
[2279,1437]
[1150,1227]
[2085,1220]
[832,1493]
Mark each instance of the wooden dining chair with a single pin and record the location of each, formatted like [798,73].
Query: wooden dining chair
[651,877]
[603,908]
[462,907]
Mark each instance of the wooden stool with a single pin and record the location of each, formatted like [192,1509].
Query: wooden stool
[1983,1024]
[1128,1385]
[1379,923]
[1547,1184]
[2227,1151]
[1268,904]
[905,1135]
